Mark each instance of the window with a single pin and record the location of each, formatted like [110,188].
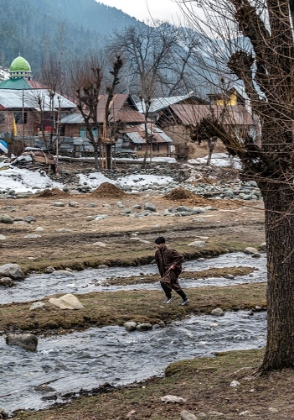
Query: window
[20,117]
[2,118]
[155,147]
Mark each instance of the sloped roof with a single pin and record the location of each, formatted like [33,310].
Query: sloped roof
[121,108]
[15,84]
[29,99]
[160,103]
[75,118]
[137,134]
[193,114]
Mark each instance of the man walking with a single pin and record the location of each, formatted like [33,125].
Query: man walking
[169,263]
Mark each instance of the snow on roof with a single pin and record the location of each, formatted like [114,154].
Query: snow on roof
[160,103]
[30,98]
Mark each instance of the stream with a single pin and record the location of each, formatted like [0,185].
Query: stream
[37,286]
[86,360]
[110,354]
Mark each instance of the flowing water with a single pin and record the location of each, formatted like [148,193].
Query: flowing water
[37,286]
[110,354]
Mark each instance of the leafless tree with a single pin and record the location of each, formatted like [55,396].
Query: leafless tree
[156,63]
[89,80]
[253,40]
[86,76]
[45,98]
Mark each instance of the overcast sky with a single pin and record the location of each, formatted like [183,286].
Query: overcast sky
[158,9]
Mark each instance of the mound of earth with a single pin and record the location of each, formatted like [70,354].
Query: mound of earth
[179,194]
[108,190]
[188,198]
[55,192]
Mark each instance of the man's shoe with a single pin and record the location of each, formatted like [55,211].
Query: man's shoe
[168,300]
[185,302]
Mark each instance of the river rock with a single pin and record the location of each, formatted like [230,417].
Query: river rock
[262,246]
[5,218]
[37,305]
[32,236]
[185,415]
[11,270]
[234,384]
[183,209]
[99,244]
[2,238]
[29,219]
[150,206]
[49,269]
[3,414]
[145,326]
[62,273]
[7,282]
[217,312]
[130,325]
[197,244]
[100,217]
[173,399]
[26,341]
[68,301]
[73,204]
[199,210]
[251,250]
[58,204]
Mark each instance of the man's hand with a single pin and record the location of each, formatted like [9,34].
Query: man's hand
[172,267]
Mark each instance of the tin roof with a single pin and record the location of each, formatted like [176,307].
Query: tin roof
[15,84]
[137,134]
[29,99]
[160,103]
[121,108]
[75,118]
[193,114]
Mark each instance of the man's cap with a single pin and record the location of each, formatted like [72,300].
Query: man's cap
[3,146]
[160,240]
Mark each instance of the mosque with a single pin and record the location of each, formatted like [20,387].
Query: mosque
[26,106]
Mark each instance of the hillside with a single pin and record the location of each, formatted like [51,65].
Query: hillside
[37,28]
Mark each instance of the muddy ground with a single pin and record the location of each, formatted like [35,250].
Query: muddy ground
[69,241]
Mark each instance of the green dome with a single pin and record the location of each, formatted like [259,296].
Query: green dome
[20,64]
[20,68]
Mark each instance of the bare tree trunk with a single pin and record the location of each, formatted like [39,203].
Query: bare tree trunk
[96,162]
[279,227]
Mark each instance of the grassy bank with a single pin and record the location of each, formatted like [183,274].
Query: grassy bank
[205,385]
[116,308]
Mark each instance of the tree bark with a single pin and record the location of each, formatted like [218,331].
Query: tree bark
[279,228]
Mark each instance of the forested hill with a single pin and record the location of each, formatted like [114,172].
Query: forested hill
[35,28]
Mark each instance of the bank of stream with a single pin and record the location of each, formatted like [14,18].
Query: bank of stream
[37,286]
[65,364]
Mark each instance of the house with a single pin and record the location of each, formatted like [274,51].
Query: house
[26,106]
[230,97]
[158,105]
[122,110]
[178,119]
[134,138]
[128,123]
